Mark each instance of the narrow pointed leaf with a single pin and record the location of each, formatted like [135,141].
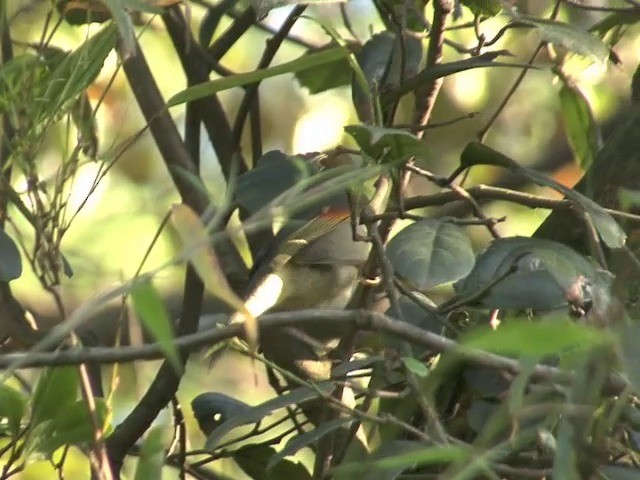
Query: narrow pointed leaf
[153,314]
[582,131]
[56,387]
[197,247]
[13,405]
[214,86]
[569,36]
[611,233]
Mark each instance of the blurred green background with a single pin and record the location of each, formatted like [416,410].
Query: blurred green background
[108,240]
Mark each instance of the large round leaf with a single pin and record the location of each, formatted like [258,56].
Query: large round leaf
[431,252]
[527,273]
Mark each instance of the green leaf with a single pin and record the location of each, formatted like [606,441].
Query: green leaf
[619,472]
[84,120]
[582,130]
[569,36]
[151,456]
[153,314]
[125,26]
[388,144]
[77,70]
[302,63]
[10,261]
[434,72]
[415,366]
[375,60]
[629,341]
[274,173]
[527,273]
[517,338]
[203,258]
[13,405]
[297,442]
[440,454]
[57,388]
[72,425]
[431,252]
[611,233]
[253,460]
[485,8]
[565,460]
[325,77]
[254,414]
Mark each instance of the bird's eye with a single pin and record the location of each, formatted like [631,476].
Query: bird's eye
[217,417]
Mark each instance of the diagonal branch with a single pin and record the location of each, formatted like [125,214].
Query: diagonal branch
[210,110]
[332,319]
[179,160]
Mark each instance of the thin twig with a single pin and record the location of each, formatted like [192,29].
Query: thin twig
[512,90]
[273,45]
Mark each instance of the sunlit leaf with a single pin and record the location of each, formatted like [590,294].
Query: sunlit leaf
[77,70]
[440,454]
[515,337]
[388,144]
[72,425]
[125,26]
[209,88]
[431,252]
[150,308]
[486,8]
[197,248]
[569,36]
[56,388]
[582,130]
[13,405]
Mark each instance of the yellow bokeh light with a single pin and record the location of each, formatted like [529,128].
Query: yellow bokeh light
[321,125]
